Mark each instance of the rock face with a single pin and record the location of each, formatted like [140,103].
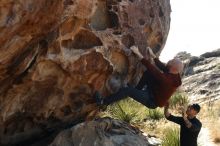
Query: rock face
[55,53]
[101,132]
[202,76]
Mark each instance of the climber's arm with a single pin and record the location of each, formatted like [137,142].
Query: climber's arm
[160,65]
[151,69]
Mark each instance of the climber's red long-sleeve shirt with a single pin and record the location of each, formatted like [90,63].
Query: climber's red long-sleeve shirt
[162,84]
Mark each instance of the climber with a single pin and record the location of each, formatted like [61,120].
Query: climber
[190,125]
[161,84]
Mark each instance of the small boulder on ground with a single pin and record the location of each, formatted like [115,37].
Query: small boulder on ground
[101,132]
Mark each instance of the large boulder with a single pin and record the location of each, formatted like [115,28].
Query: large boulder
[101,132]
[55,53]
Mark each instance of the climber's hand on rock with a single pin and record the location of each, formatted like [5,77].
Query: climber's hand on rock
[151,53]
[137,52]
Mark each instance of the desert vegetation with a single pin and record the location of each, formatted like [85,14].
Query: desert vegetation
[153,122]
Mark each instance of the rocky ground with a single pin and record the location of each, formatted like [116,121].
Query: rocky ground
[102,132]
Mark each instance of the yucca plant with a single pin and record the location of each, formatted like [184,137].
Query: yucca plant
[178,99]
[132,112]
[126,110]
[171,137]
[121,113]
[154,114]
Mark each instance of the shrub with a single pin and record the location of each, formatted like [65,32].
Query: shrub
[130,111]
[171,137]
[178,99]
[119,111]
[126,110]
[154,114]
[218,66]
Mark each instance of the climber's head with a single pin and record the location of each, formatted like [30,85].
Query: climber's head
[175,66]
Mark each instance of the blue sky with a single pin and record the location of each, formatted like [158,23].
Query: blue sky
[195,27]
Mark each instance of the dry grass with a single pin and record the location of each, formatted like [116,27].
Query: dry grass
[210,117]
[156,128]
[171,137]
[215,130]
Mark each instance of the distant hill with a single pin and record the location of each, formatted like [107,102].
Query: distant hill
[201,76]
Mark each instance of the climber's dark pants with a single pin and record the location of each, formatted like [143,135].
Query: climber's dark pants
[145,97]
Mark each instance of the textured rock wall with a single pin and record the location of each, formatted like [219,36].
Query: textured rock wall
[55,53]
